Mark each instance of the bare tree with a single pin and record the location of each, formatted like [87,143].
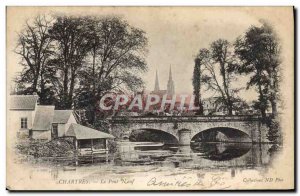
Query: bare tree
[217,73]
[35,47]
[221,55]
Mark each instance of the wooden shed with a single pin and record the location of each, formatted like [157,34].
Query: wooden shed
[88,140]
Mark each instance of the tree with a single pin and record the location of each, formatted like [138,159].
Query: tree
[217,74]
[82,57]
[197,85]
[221,55]
[274,133]
[117,58]
[35,47]
[259,53]
[72,40]
[272,62]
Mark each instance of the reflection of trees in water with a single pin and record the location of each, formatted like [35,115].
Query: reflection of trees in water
[152,136]
[213,136]
[166,147]
[273,149]
[221,134]
[221,151]
[203,155]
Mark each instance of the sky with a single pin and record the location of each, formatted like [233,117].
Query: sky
[175,36]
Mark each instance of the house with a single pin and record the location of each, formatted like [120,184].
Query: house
[50,123]
[44,123]
[61,122]
[212,106]
[22,109]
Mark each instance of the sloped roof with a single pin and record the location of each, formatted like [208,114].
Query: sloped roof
[82,132]
[23,102]
[43,117]
[61,116]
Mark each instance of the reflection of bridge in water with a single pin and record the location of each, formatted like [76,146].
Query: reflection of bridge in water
[254,156]
[185,128]
[213,155]
[251,156]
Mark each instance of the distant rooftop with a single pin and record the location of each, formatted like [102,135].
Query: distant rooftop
[23,102]
[62,116]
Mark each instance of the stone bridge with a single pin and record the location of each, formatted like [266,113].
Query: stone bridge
[246,128]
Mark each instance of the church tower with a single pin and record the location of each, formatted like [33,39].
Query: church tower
[170,87]
[156,88]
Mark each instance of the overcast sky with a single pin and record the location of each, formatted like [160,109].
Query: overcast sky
[175,35]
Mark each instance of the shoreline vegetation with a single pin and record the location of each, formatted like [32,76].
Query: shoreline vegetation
[59,147]
[65,148]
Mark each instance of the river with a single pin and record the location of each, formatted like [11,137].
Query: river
[143,158]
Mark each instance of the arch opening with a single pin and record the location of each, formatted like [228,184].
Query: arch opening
[221,143]
[152,135]
[221,134]
[221,151]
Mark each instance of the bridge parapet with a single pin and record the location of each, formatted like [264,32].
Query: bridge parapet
[183,127]
[219,118]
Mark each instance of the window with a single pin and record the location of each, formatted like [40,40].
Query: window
[54,130]
[23,123]
[92,143]
[99,144]
[85,143]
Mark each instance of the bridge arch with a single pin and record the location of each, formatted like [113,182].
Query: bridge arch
[155,135]
[229,134]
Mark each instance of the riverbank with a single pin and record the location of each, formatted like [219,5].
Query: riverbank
[60,147]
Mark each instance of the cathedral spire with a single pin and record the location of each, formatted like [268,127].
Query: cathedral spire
[170,73]
[156,88]
[170,87]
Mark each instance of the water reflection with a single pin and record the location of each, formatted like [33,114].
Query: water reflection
[135,157]
[199,155]
[219,151]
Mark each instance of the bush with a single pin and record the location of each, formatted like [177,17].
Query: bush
[274,131]
[112,146]
[60,147]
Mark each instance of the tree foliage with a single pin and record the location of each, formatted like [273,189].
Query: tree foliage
[197,85]
[72,43]
[116,59]
[255,54]
[35,47]
[259,54]
[217,63]
[73,61]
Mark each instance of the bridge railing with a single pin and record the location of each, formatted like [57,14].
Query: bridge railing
[187,118]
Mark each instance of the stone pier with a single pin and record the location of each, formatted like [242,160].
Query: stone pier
[185,137]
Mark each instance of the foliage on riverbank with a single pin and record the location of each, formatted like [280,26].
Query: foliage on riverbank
[60,147]
[273,133]
[112,146]
[151,136]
